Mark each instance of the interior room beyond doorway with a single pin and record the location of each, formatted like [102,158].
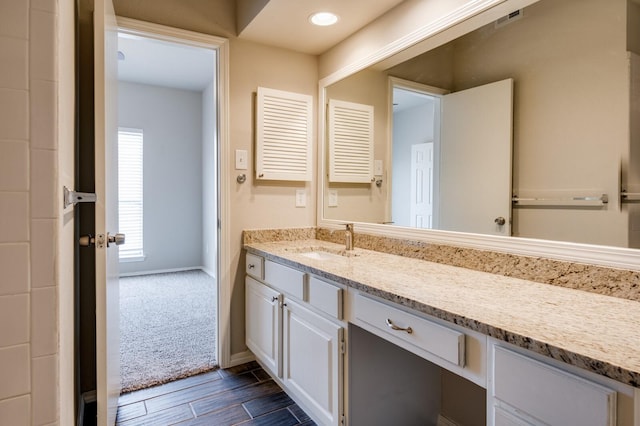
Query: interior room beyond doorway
[167,96]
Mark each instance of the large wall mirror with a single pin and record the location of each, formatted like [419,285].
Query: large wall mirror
[554,160]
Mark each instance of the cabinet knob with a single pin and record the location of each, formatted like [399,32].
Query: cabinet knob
[274,298]
[251,266]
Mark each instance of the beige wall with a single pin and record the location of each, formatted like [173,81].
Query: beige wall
[66,226]
[246,10]
[633,26]
[262,204]
[29,212]
[363,202]
[216,17]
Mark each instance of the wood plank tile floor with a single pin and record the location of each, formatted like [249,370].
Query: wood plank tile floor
[243,395]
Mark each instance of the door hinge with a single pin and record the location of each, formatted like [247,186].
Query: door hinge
[71,198]
[343,347]
[342,420]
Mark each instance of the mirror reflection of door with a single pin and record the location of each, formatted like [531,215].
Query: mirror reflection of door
[421,207]
[451,153]
[475,159]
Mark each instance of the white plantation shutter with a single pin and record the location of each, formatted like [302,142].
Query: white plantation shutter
[130,192]
[283,135]
[350,142]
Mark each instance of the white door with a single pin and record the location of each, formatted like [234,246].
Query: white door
[475,159]
[422,185]
[106,186]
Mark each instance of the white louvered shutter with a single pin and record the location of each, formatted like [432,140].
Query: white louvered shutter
[283,135]
[350,142]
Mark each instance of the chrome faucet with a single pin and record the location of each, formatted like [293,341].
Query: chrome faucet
[349,236]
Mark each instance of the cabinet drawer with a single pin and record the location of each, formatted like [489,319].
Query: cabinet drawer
[254,266]
[548,394]
[436,339]
[326,297]
[285,279]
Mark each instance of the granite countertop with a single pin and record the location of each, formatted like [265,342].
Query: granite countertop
[595,332]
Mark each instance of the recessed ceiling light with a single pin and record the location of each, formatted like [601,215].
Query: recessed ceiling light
[323,19]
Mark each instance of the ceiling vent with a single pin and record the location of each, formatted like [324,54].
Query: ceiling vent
[513,16]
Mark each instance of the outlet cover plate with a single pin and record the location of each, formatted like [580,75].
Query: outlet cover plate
[333,198]
[301,198]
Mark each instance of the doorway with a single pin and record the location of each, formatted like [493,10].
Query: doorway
[167,208]
[415,150]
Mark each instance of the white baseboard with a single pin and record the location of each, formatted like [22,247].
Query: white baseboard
[163,271]
[241,358]
[208,271]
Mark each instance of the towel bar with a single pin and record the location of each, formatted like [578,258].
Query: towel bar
[586,201]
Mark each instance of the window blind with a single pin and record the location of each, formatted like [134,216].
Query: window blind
[130,207]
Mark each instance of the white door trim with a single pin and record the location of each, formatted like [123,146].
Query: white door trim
[221,46]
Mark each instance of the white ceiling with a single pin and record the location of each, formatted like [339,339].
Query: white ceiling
[285,23]
[281,23]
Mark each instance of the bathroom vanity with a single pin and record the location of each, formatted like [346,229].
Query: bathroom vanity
[362,338]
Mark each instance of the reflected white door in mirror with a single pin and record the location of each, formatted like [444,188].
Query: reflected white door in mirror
[450,152]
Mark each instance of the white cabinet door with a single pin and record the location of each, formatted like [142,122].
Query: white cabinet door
[263,317]
[312,361]
[545,395]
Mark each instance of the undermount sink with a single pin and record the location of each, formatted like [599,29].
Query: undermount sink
[322,255]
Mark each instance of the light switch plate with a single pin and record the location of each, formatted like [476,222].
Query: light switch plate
[377,167]
[301,198]
[241,159]
[333,198]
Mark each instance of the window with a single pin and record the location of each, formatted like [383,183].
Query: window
[130,193]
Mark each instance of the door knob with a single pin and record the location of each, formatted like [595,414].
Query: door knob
[99,240]
[500,221]
[117,239]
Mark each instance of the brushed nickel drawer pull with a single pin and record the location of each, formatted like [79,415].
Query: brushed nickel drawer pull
[392,326]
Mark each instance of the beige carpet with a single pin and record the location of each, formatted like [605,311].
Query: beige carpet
[167,327]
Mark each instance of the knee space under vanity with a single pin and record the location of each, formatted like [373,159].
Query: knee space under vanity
[389,385]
